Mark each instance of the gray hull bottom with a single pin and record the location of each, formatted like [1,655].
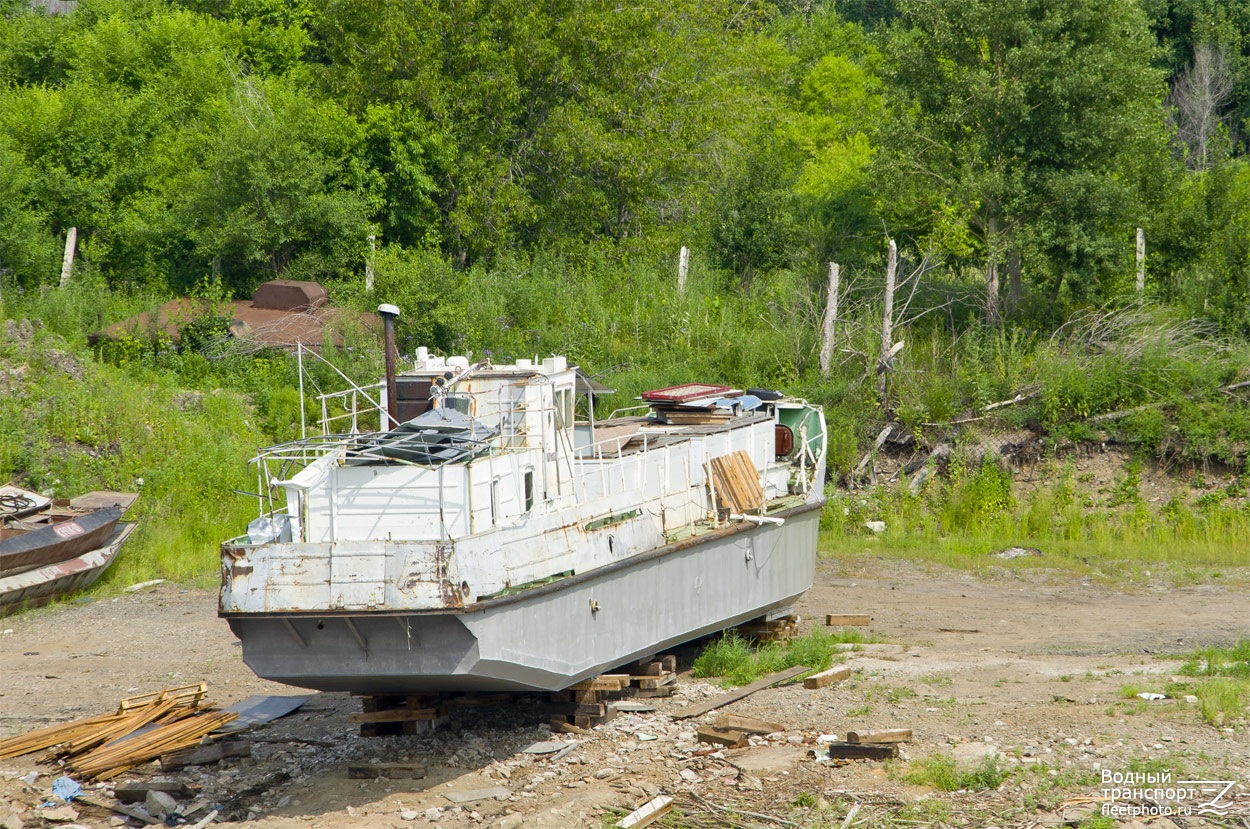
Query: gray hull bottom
[548,638]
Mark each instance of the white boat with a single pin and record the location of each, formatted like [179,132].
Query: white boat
[492,542]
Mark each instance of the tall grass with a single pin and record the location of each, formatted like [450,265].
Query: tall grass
[618,313]
[959,520]
[738,661]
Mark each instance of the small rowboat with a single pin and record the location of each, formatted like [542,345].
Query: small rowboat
[41,585]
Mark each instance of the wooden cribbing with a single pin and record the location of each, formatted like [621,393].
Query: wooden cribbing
[395,715]
[847,620]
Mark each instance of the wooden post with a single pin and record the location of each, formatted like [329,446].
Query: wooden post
[831,320]
[887,317]
[1141,260]
[683,268]
[67,264]
[373,247]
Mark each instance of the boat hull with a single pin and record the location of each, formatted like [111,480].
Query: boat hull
[545,638]
[40,586]
[57,542]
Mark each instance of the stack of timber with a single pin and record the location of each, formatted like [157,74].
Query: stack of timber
[143,728]
[763,629]
[588,703]
[391,714]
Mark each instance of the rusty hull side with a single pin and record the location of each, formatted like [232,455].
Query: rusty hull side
[549,637]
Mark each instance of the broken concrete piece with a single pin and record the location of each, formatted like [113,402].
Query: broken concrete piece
[471,795]
[59,814]
[546,747]
[159,804]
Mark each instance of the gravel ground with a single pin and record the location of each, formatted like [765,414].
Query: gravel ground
[1029,667]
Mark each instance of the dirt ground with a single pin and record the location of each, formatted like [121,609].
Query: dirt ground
[1027,666]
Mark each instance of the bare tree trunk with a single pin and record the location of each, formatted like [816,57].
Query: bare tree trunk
[831,320]
[1015,281]
[67,264]
[993,313]
[887,318]
[373,247]
[1141,260]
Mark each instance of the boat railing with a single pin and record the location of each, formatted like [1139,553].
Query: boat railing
[592,459]
[352,410]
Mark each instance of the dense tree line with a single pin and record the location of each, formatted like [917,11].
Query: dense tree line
[1012,148]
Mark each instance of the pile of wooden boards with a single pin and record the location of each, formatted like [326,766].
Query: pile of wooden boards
[588,703]
[144,728]
[736,482]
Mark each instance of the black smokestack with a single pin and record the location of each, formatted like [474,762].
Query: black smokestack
[389,314]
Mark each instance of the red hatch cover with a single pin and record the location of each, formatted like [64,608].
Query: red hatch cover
[684,393]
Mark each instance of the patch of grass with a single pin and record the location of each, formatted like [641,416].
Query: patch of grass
[737,661]
[1231,662]
[1224,692]
[941,772]
[1223,700]
[1099,822]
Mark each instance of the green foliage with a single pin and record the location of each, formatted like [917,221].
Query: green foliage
[990,104]
[75,425]
[976,496]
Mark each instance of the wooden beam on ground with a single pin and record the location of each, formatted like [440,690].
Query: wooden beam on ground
[828,677]
[101,803]
[720,736]
[391,771]
[647,813]
[889,735]
[745,691]
[862,751]
[748,725]
[847,620]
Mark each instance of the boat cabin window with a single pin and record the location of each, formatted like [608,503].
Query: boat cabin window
[529,489]
[460,402]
